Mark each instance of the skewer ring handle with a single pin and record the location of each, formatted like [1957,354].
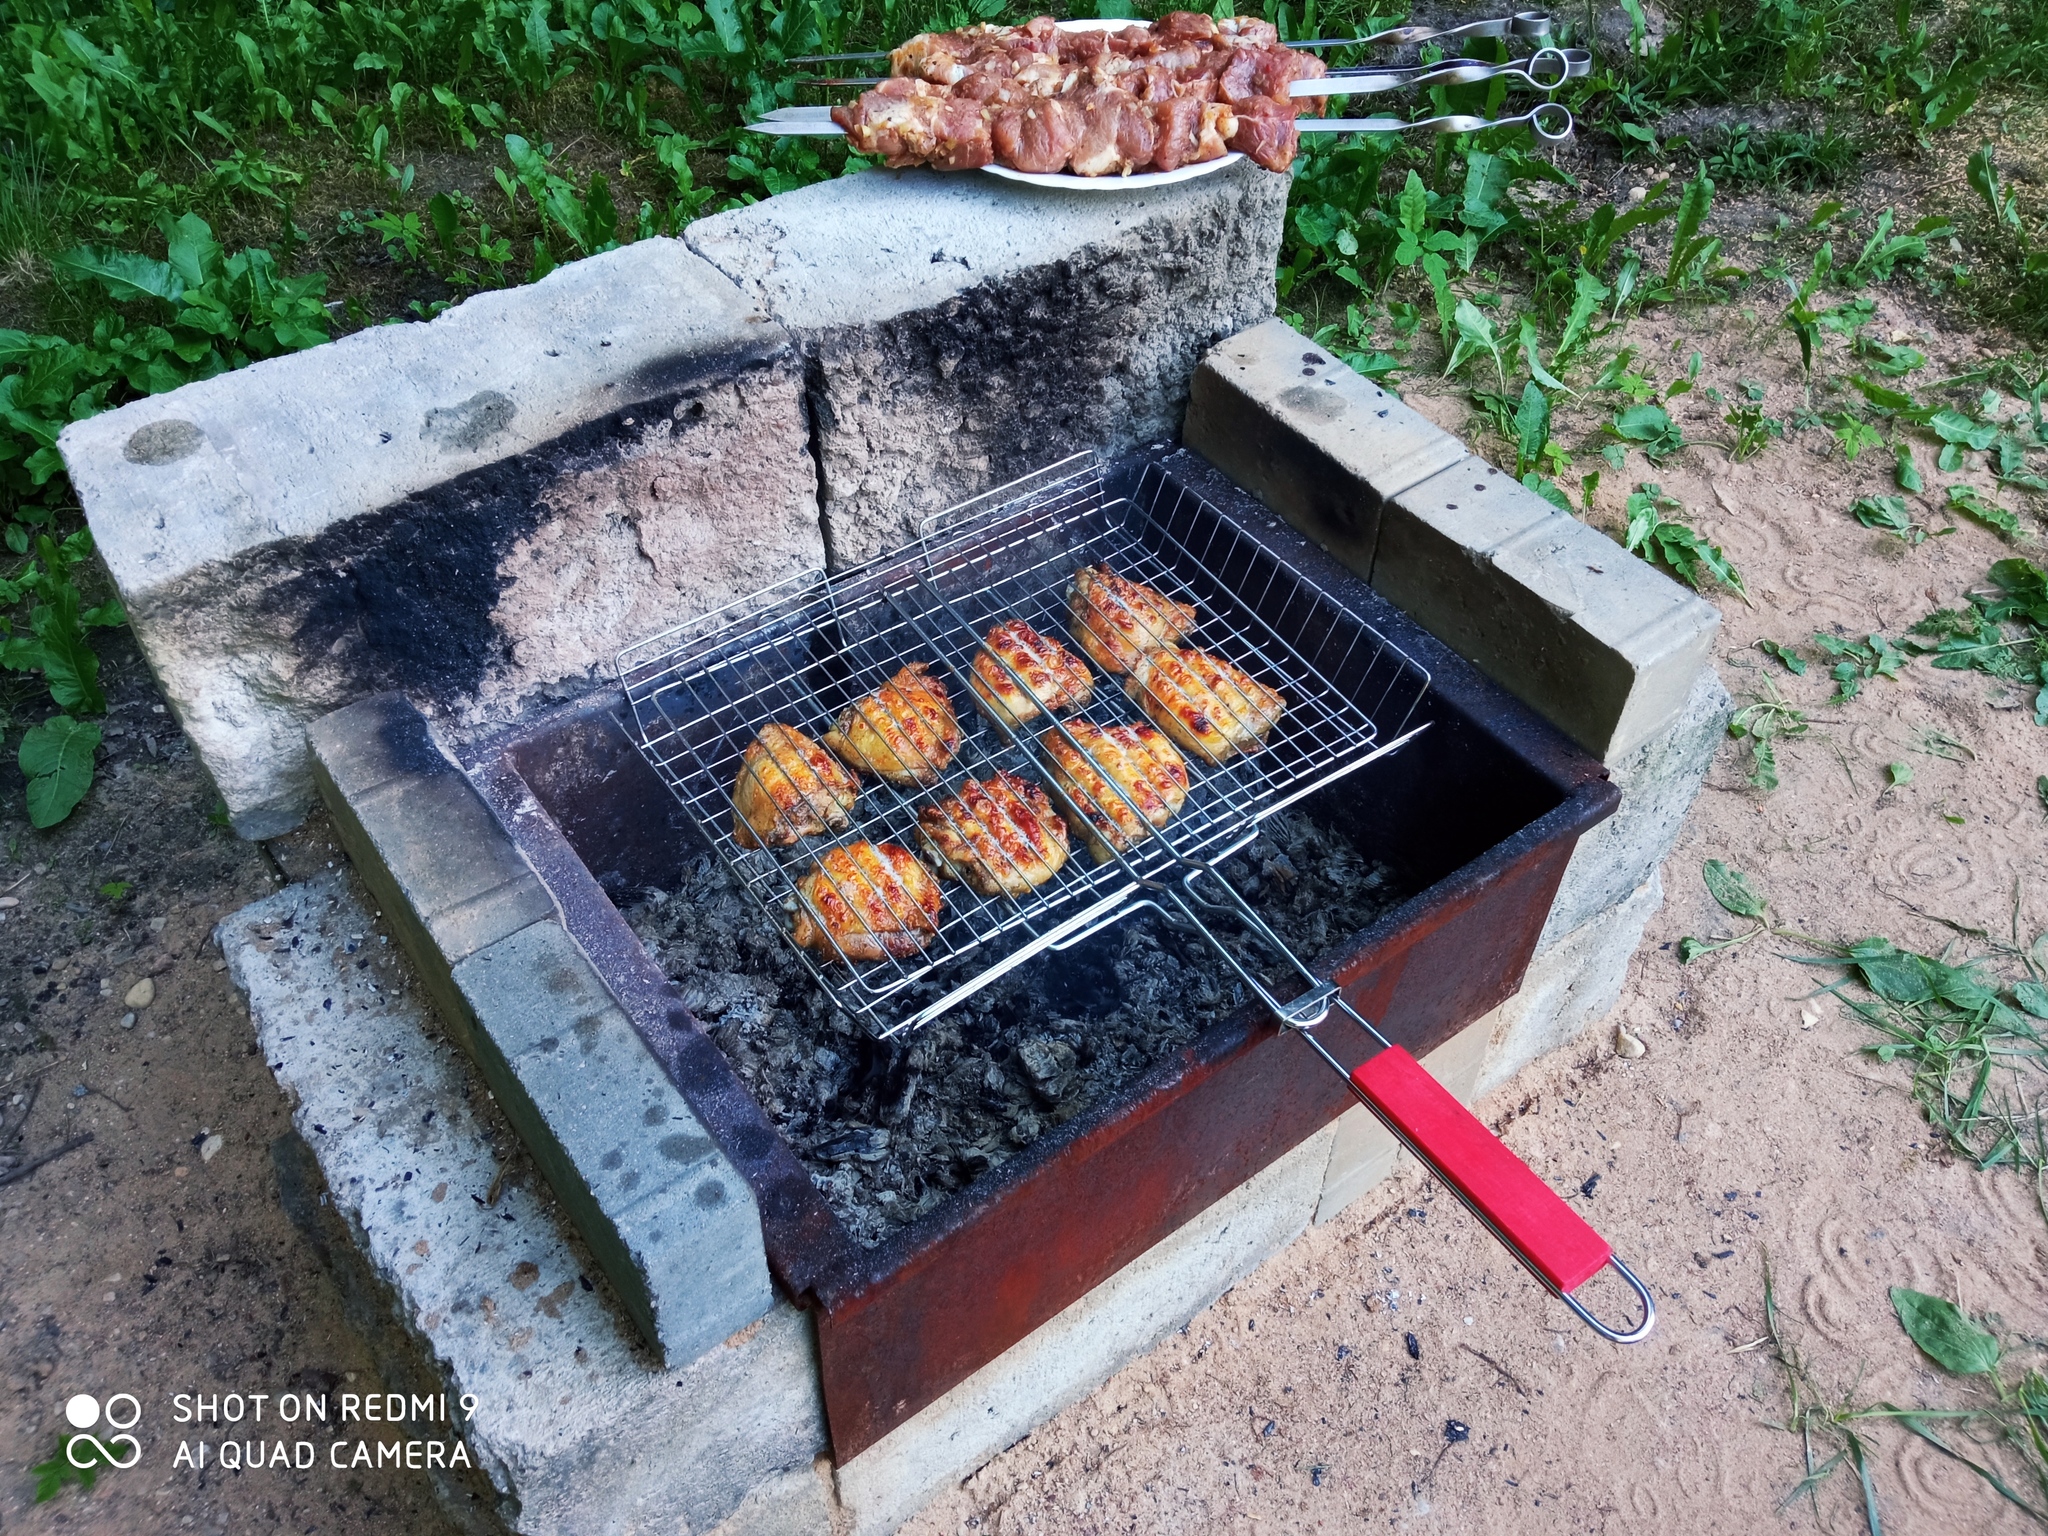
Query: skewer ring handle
[1633,1335]
[1551,121]
[1548,68]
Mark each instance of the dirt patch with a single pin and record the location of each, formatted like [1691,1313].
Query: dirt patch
[143,1262]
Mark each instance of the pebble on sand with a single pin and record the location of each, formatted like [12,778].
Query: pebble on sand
[142,994]
[1626,1045]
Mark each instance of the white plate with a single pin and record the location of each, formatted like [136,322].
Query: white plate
[1137,181]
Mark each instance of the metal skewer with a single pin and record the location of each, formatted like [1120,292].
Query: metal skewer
[1550,121]
[1531,24]
[1546,69]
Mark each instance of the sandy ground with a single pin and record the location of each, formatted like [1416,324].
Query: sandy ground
[1295,1403]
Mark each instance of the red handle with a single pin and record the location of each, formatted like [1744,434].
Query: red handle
[1523,1211]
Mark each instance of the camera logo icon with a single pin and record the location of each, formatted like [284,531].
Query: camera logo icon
[83,1412]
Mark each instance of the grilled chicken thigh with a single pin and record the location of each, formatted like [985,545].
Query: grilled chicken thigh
[905,732]
[1205,704]
[1143,763]
[1002,837]
[1117,621]
[788,788]
[1054,676]
[867,901]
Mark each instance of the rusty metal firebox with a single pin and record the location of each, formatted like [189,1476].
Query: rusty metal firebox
[1480,814]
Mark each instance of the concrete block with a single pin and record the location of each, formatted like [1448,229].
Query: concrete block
[445,873]
[961,331]
[1364,1152]
[1571,985]
[793,1504]
[1599,642]
[579,1431]
[670,1219]
[1659,779]
[1316,443]
[1084,1345]
[399,508]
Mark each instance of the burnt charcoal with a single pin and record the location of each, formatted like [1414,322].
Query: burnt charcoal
[867,1144]
[891,1128]
[1050,1065]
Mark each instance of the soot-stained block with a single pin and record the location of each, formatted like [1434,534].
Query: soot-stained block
[474,512]
[960,330]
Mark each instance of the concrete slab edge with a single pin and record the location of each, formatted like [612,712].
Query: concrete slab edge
[676,1233]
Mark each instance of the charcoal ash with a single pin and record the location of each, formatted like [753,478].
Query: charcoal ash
[891,1128]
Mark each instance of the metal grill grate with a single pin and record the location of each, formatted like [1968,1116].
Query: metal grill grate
[802,652]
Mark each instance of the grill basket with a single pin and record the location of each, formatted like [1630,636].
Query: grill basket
[801,652]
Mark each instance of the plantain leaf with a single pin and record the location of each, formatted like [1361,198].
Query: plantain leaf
[1907,473]
[1532,427]
[1942,1330]
[56,759]
[1732,889]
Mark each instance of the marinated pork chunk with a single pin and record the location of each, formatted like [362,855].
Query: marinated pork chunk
[1038,138]
[1176,132]
[904,732]
[1053,677]
[1116,136]
[867,901]
[1264,131]
[908,122]
[1187,88]
[1205,704]
[1117,621]
[1001,837]
[1143,763]
[789,788]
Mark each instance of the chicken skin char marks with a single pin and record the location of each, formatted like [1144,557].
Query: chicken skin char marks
[1053,677]
[1214,710]
[1136,759]
[1118,620]
[867,901]
[1002,837]
[905,732]
[1185,89]
[789,788]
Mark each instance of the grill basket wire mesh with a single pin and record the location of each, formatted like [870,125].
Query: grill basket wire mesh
[803,652]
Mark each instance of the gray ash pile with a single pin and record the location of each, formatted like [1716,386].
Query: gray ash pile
[890,1128]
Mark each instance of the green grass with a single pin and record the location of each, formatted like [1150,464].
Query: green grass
[1797,158]
[2007,1423]
[1970,1037]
